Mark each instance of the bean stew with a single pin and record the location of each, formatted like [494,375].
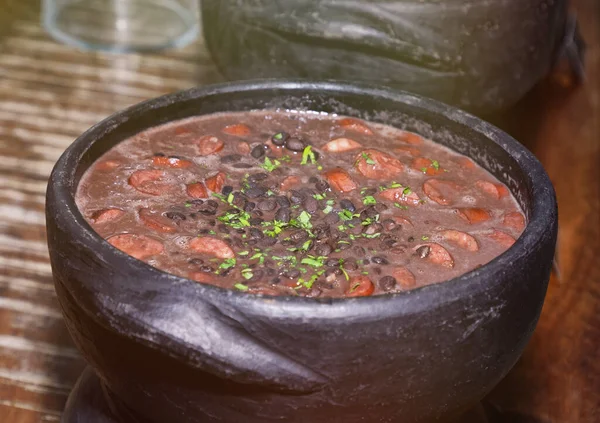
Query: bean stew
[298,203]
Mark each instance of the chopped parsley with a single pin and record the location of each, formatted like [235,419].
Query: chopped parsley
[319,196]
[406,191]
[400,206]
[368,159]
[424,237]
[369,200]
[307,155]
[435,164]
[227,263]
[247,273]
[270,165]
[241,287]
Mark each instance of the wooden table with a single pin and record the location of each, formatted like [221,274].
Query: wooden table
[50,93]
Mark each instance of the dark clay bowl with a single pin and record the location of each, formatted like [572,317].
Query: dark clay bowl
[171,350]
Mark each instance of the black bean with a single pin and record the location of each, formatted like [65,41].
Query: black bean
[258,151]
[256,192]
[283,215]
[343,246]
[333,271]
[231,158]
[207,269]
[258,213]
[243,165]
[325,286]
[203,231]
[267,205]
[371,212]
[249,206]
[268,241]
[295,144]
[270,271]
[380,207]
[223,228]
[347,205]
[379,260]
[212,203]
[196,261]
[256,233]
[398,250]
[377,270]
[331,218]
[321,231]
[389,242]
[322,185]
[356,229]
[332,262]
[256,177]
[239,200]
[227,189]
[323,250]
[282,201]
[175,216]
[370,191]
[255,221]
[311,205]
[287,242]
[387,283]
[197,202]
[358,250]
[208,212]
[350,264]
[423,251]
[257,275]
[210,222]
[388,224]
[312,180]
[280,138]
[276,280]
[301,235]
[251,242]
[291,273]
[296,197]
[160,155]
[411,239]
[314,292]
[354,222]
[373,228]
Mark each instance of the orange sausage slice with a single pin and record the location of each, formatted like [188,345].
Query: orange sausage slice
[474,215]
[289,183]
[375,164]
[237,129]
[201,277]
[215,183]
[106,215]
[493,190]
[339,179]
[107,165]
[341,145]
[209,144]
[514,220]
[438,255]
[196,190]
[501,238]
[172,162]
[355,125]
[138,246]
[411,138]
[398,195]
[360,286]
[155,221]
[442,192]
[462,239]
[148,182]
[404,277]
[211,246]
[427,166]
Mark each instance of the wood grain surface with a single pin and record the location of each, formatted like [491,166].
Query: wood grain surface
[50,93]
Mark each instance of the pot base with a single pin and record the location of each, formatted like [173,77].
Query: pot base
[88,403]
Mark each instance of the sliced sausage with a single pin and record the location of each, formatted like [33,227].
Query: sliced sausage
[106,215]
[402,221]
[404,277]
[196,190]
[138,246]
[355,125]
[149,182]
[402,149]
[209,144]
[462,239]
[360,286]
[411,138]
[474,215]
[493,190]
[215,183]
[237,129]
[440,191]
[398,195]
[155,221]
[514,220]
[427,166]
[172,162]
[289,183]
[435,253]
[107,165]
[501,238]
[211,246]
[243,148]
[375,164]
[465,163]
[341,145]
[339,179]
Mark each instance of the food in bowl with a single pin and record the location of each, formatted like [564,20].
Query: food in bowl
[290,203]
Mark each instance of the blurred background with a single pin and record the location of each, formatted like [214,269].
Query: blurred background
[531,67]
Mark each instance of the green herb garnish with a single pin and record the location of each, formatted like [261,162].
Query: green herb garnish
[241,286]
[307,155]
[368,159]
[270,165]
[369,200]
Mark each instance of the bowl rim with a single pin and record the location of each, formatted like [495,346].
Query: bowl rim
[543,213]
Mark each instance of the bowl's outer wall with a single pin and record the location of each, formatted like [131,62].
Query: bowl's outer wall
[174,350]
[482,56]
